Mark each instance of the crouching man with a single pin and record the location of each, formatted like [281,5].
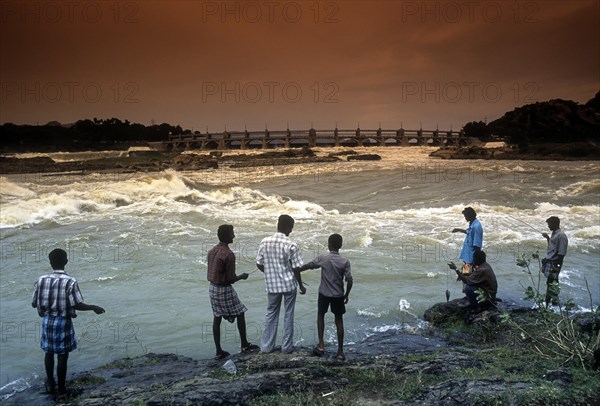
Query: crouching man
[482,277]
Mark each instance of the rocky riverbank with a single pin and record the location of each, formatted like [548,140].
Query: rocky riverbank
[575,151]
[152,161]
[444,365]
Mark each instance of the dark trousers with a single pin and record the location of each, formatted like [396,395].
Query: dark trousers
[471,295]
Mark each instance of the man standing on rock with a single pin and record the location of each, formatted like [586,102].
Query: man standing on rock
[279,258]
[552,263]
[473,240]
[57,297]
[223,298]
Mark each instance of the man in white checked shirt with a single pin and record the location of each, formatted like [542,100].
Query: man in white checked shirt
[278,257]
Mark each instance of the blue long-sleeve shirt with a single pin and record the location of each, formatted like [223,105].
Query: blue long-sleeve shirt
[473,239]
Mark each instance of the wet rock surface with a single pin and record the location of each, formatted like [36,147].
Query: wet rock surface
[437,366]
[574,151]
[156,379]
[364,157]
[152,161]
[159,379]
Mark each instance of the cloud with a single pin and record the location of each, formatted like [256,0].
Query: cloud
[431,61]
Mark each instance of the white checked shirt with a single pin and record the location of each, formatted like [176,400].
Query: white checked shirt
[279,255]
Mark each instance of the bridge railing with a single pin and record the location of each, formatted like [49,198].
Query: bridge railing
[318,132]
[316,137]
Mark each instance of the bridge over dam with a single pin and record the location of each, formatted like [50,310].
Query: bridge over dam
[310,138]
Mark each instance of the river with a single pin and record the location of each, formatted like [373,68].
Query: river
[138,242]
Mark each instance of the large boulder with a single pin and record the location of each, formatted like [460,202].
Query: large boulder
[458,310]
[364,157]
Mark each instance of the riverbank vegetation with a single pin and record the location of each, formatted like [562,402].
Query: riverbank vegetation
[535,356]
[485,365]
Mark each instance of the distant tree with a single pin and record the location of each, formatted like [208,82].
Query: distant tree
[555,120]
[84,134]
[477,129]
[594,103]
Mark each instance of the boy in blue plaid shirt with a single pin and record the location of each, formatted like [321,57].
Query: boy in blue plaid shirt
[57,297]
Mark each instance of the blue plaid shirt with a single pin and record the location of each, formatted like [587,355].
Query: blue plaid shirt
[56,294]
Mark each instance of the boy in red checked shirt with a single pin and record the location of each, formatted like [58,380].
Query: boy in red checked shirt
[223,297]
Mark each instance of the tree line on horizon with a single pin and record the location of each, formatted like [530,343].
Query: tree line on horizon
[88,134]
[552,121]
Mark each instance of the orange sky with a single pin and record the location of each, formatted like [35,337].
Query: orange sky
[214,64]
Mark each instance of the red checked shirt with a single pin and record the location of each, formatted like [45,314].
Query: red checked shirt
[221,265]
[56,294]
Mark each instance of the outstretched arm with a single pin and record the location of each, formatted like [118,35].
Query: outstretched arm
[241,276]
[307,266]
[459,230]
[86,307]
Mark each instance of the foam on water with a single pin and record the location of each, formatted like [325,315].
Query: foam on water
[16,386]
[586,233]
[369,312]
[581,188]
[365,240]
[12,190]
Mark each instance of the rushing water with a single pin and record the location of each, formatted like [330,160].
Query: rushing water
[137,244]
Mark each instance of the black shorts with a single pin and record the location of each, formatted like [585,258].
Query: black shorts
[337,305]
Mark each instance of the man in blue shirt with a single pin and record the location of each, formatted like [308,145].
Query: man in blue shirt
[473,241]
